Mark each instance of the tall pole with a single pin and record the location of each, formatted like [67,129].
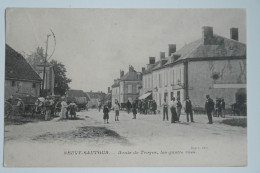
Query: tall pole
[44,66]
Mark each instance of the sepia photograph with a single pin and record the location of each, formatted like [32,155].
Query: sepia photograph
[126,87]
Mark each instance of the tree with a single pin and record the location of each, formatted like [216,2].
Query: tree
[61,81]
[36,57]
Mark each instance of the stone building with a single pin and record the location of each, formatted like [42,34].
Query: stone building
[127,87]
[212,65]
[20,78]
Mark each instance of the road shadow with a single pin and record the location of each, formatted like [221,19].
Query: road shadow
[90,134]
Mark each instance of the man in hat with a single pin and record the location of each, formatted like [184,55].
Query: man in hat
[209,107]
[188,109]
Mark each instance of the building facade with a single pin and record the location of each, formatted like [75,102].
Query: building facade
[127,87]
[20,78]
[212,65]
[49,77]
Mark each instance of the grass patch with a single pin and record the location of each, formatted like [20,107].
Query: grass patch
[240,122]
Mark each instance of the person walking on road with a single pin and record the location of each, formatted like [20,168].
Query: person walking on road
[154,107]
[63,109]
[173,106]
[165,110]
[116,107]
[106,115]
[134,109]
[188,109]
[209,107]
[179,107]
[128,106]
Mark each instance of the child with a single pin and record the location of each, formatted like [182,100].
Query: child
[106,116]
[116,107]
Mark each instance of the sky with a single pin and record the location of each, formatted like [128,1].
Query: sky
[95,44]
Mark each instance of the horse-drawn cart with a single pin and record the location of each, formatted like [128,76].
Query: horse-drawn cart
[20,105]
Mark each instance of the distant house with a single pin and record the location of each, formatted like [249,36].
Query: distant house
[127,87]
[96,97]
[20,78]
[78,96]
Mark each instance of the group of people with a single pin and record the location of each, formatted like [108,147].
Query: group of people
[68,108]
[142,106]
[220,107]
[175,107]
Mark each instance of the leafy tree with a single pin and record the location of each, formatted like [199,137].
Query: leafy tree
[61,81]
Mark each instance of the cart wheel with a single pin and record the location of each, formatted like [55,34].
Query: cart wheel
[8,109]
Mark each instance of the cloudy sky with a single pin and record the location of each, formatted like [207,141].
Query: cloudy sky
[94,44]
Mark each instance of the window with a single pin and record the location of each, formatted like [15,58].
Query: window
[34,85]
[180,76]
[13,83]
[160,80]
[172,95]
[173,77]
[130,89]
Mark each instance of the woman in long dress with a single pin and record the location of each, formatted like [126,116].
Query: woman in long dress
[63,109]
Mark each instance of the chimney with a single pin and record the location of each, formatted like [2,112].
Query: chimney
[162,55]
[131,68]
[207,34]
[143,69]
[172,49]
[151,60]
[121,73]
[234,34]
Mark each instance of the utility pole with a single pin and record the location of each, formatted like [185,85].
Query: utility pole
[44,66]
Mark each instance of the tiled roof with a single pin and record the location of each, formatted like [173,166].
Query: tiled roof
[221,47]
[16,67]
[130,76]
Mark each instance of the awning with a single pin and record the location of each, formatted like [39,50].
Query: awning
[144,96]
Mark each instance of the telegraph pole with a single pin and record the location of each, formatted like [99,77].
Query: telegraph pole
[44,66]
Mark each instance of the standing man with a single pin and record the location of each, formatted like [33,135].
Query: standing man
[223,106]
[179,107]
[173,106]
[209,107]
[128,106]
[188,109]
[165,110]
[154,107]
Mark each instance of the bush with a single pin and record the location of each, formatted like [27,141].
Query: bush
[241,122]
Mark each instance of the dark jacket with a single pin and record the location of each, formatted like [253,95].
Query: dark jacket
[209,105]
[188,106]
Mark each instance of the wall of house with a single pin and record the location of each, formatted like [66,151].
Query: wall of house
[21,87]
[168,82]
[147,83]
[129,90]
[218,78]
[115,94]
[49,78]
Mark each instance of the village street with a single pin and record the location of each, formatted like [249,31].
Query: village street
[146,133]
